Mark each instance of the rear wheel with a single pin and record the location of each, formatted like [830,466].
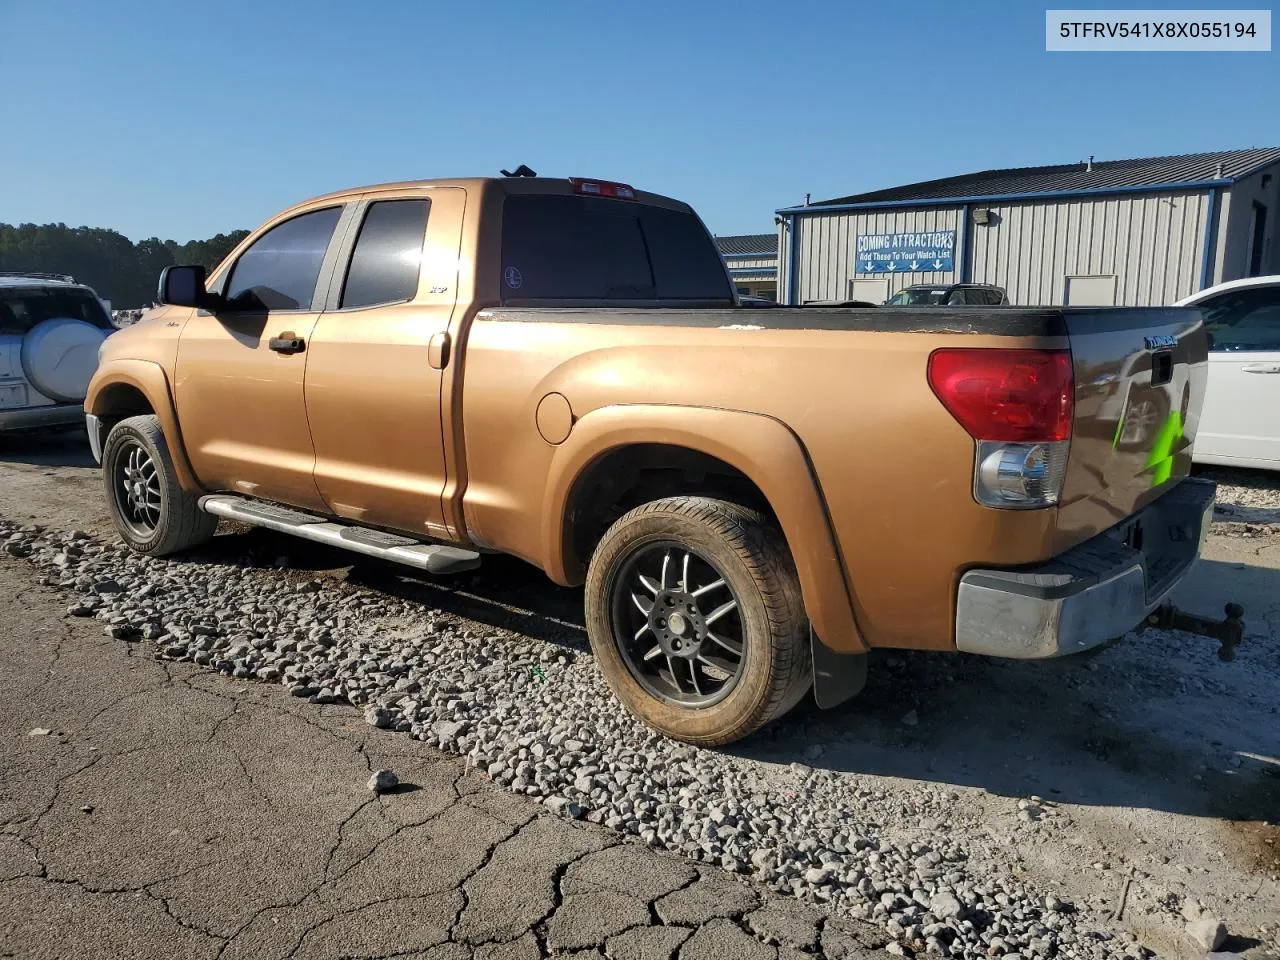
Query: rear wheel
[150,510]
[695,617]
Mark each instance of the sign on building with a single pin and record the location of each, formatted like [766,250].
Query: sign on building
[931,251]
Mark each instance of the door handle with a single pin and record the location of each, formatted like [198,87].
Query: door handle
[438,351]
[287,342]
[1261,368]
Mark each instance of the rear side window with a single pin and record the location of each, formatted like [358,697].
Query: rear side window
[388,254]
[1246,319]
[279,271]
[20,309]
[587,248]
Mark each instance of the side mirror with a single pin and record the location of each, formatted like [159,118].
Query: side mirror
[183,286]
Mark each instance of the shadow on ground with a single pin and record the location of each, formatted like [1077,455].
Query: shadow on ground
[1059,729]
[64,447]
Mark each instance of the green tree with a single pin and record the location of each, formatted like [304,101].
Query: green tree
[120,271]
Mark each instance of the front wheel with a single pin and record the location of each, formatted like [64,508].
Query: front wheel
[150,510]
[695,616]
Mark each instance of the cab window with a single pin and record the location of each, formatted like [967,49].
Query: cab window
[388,254]
[279,271]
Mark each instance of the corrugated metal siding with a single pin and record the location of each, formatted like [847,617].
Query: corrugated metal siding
[828,247]
[1150,242]
[760,263]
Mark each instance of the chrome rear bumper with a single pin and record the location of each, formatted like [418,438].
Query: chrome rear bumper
[1094,592]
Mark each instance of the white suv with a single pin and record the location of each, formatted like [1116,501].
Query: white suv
[50,331]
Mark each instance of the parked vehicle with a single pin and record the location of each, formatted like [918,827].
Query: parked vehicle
[1240,423]
[949,295]
[425,372]
[50,331]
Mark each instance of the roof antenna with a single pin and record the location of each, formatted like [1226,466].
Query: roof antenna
[1219,171]
[806,199]
[1088,167]
[520,171]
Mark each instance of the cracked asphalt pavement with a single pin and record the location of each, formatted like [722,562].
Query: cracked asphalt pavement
[152,809]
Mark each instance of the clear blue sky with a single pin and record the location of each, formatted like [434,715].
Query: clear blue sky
[182,120]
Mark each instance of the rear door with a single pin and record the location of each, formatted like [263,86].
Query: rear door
[1240,423]
[239,382]
[377,358]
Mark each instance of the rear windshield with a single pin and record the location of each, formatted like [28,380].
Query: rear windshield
[22,308]
[588,248]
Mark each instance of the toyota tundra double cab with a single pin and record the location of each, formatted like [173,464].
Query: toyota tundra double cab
[557,369]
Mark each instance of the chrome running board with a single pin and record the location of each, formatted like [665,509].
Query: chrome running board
[431,557]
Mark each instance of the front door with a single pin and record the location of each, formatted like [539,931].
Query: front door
[1240,422]
[239,377]
[377,358]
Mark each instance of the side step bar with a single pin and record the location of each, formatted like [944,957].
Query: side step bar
[431,557]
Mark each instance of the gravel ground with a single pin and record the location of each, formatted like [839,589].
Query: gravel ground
[946,856]
[1247,496]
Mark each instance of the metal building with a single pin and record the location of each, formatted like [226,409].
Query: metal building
[1120,232]
[752,260]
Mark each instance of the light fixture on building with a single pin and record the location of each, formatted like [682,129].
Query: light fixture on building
[982,217]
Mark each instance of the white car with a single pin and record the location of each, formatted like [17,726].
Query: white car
[1240,421]
[51,329]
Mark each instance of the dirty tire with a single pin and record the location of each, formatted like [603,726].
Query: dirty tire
[753,557]
[180,523]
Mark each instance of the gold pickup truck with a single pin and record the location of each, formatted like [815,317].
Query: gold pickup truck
[557,369]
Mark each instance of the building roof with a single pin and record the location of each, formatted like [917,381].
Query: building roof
[1115,175]
[758,243]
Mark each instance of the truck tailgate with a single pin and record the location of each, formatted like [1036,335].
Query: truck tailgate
[1140,378]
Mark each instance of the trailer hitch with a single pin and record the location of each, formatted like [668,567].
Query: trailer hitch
[1228,632]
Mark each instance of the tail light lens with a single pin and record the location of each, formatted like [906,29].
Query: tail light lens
[1018,405]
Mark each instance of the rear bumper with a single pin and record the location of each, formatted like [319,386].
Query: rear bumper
[1094,592]
[32,418]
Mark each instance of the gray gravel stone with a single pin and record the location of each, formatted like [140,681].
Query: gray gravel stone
[382,781]
[1208,932]
[945,906]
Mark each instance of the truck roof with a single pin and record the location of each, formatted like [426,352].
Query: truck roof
[551,185]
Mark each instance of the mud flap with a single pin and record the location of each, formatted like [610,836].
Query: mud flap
[837,677]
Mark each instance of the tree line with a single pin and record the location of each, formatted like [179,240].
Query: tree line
[119,270]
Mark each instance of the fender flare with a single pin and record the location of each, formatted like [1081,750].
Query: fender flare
[762,448]
[150,380]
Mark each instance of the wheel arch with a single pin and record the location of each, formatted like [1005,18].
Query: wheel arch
[754,456]
[128,388]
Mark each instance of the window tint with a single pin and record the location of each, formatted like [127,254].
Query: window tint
[280,270]
[1247,319]
[388,254]
[20,309]
[586,248]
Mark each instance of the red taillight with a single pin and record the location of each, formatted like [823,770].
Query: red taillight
[602,188]
[1011,396]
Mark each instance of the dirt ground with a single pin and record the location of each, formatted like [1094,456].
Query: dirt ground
[1158,764]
